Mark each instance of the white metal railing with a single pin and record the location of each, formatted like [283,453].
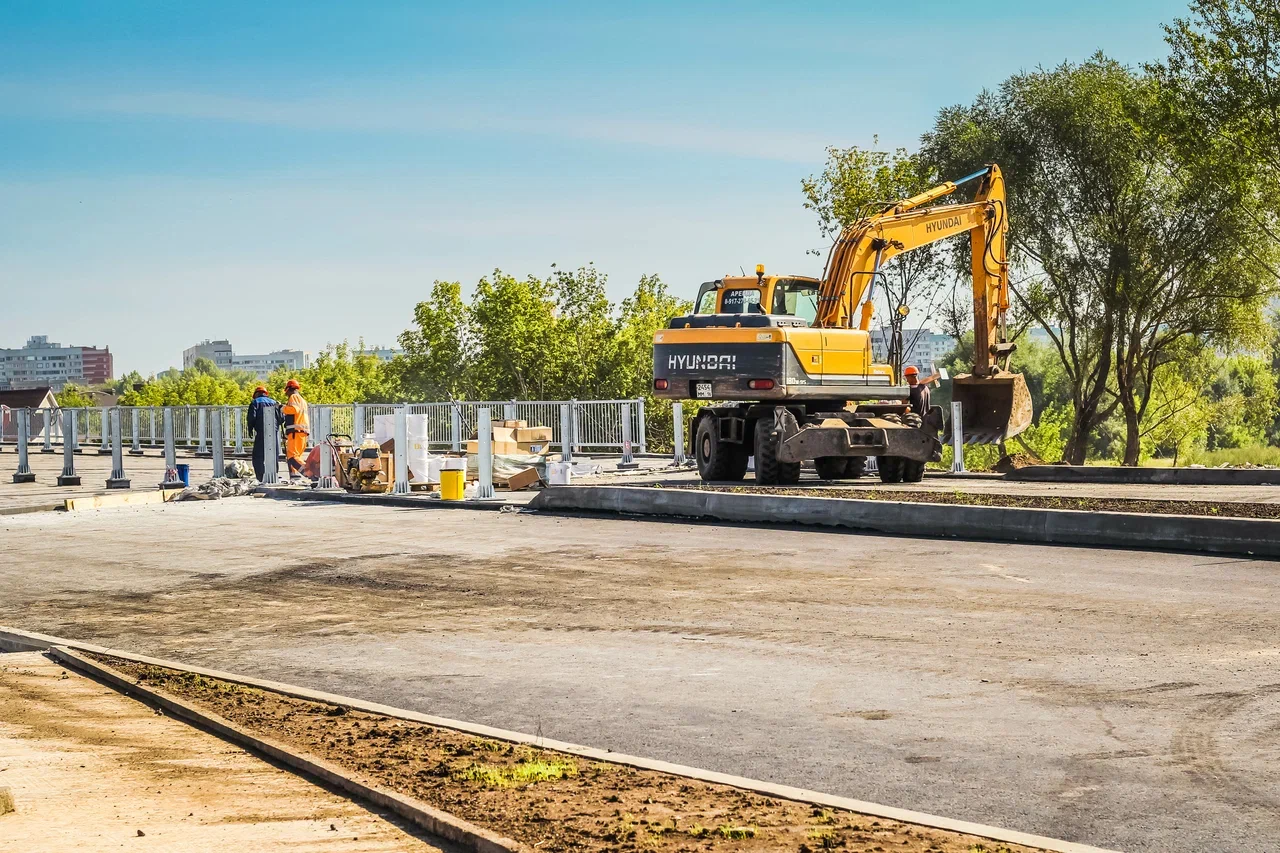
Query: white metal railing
[595,424]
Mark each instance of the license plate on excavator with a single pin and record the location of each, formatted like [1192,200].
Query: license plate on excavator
[702,390]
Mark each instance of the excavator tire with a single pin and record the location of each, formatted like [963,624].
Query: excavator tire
[717,460]
[832,467]
[855,467]
[769,471]
[912,471]
[890,468]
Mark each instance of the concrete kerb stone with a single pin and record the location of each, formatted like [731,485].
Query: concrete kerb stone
[1212,534]
[13,639]
[1131,476]
[435,821]
[409,501]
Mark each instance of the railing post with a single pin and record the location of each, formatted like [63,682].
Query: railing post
[957,438]
[24,473]
[202,429]
[509,411]
[68,476]
[640,424]
[75,430]
[270,446]
[237,430]
[566,433]
[106,432]
[357,424]
[151,433]
[455,426]
[577,424]
[219,460]
[401,486]
[484,440]
[677,433]
[136,429]
[324,429]
[624,412]
[117,480]
[49,418]
[171,480]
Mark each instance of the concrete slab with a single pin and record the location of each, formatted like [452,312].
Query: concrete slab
[1117,698]
[90,770]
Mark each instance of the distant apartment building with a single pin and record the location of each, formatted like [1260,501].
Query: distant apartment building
[265,365]
[219,352]
[383,353]
[924,348]
[224,357]
[45,364]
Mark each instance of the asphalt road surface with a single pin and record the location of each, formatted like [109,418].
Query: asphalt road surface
[1120,698]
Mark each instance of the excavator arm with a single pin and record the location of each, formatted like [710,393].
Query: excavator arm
[996,403]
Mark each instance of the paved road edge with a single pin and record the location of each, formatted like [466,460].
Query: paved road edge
[1211,534]
[15,639]
[435,821]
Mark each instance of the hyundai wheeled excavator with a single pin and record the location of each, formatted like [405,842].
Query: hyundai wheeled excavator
[787,359]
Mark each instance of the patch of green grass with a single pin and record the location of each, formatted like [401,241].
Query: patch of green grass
[825,838]
[698,831]
[624,830]
[1253,455]
[736,833]
[186,681]
[521,773]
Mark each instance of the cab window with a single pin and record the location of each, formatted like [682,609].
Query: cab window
[796,298]
[706,299]
[740,301]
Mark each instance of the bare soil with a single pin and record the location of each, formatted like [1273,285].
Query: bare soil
[546,799]
[1226,509]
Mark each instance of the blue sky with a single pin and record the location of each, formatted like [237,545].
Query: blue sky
[293,174]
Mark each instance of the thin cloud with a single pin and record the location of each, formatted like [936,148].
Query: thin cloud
[408,114]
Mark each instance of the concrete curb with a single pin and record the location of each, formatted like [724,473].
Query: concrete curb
[1245,536]
[439,823]
[1168,476]
[13,639]
[403,501]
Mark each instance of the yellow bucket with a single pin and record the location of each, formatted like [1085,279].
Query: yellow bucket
[452,484]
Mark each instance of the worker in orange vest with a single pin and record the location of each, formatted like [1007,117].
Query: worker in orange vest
[297,426]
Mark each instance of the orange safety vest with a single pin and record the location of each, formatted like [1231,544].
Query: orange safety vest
[295,415]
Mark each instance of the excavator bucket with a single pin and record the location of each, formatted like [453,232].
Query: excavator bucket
[993,408]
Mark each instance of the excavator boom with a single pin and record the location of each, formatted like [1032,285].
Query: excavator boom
[996,404]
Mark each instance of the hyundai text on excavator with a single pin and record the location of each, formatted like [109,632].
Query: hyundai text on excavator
[787,359]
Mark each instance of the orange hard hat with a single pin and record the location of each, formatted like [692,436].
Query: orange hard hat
[911,370]
[292,383]
[260,390]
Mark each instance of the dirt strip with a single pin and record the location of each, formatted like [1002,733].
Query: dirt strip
[548,800]
[1225,509]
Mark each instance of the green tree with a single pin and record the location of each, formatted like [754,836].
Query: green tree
[202,384]
[439,350]
[73,396]
[1126,248]
[585,333]
[858,182]
[517,353]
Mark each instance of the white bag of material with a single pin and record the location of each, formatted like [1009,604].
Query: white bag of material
[419,457]
[559,473]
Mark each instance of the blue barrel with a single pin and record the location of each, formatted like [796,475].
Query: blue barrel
[184,474]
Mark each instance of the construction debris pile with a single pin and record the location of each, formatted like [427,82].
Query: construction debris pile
[219,487]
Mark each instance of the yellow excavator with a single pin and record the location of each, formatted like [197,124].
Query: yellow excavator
[787,359]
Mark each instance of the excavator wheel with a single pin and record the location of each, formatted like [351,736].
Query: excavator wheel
[769,471]
[832,467]
[855,467]
[912,471]
[890,468]
[717,460]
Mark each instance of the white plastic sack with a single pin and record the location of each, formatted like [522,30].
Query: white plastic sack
[384,430]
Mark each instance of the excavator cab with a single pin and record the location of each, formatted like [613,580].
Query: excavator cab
[992,408]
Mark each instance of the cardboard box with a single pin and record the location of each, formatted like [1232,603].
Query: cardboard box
[520,480]
[511,424]
[538,435]
[503,448]
[533,448]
